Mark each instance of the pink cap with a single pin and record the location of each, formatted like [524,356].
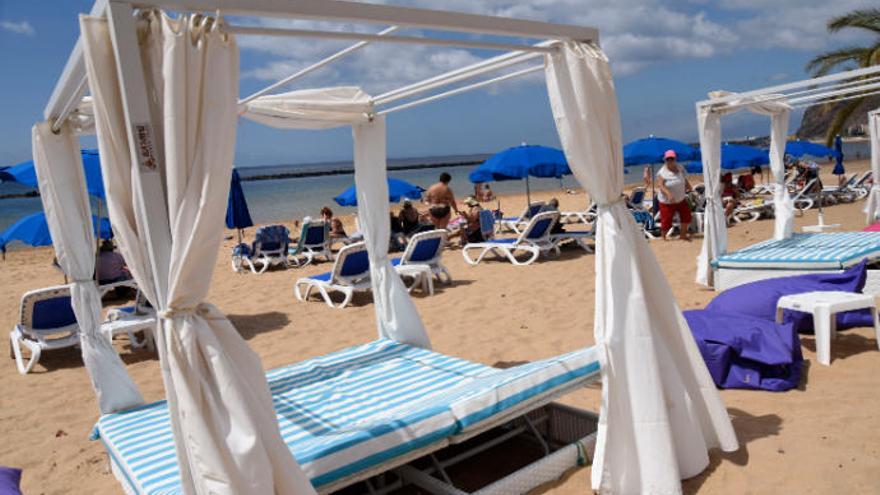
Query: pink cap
[669,154]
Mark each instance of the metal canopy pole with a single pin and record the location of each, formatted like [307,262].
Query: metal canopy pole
[317,65]
[835,100]
[346,11]
[145,144]
[413,40]
[462,89]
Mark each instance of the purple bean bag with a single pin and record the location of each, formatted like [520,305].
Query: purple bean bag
[10,479]
[758,299]
[745,352]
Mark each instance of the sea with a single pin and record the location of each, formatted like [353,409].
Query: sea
[316,184]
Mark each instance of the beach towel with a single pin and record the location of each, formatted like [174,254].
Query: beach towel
[10,479]
[748,353]
[758,299]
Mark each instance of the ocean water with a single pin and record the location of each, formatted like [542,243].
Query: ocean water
[293,198]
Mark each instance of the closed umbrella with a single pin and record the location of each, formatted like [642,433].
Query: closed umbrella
[237,214]
[522,162]
[397,190]
[838,156]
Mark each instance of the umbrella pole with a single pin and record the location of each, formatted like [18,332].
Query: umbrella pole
[97,241]
[653,179]
[528,192]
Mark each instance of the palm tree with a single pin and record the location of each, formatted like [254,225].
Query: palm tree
[848,58]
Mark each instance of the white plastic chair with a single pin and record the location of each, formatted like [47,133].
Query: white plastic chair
[47,322]
[425,248]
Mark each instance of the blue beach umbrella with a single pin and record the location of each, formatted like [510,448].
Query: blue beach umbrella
[522,162]
[838,157]
[25,173]
[397,190]
[734,157]
[650,150]
[237,214]
[800,148]
[33,230]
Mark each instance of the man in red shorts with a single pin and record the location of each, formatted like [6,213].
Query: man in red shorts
[673,188]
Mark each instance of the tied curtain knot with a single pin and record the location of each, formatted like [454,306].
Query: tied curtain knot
[200,309]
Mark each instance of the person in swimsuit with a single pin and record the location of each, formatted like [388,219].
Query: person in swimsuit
[337,231]
[441,202]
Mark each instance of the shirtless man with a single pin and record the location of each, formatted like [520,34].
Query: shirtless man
[441,202]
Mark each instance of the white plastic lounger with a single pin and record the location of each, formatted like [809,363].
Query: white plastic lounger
[801,253]
[314,241]
[46,322]
[351,272]
[580,237]
[517,224]
[359,412]
[425,249]
[534,239]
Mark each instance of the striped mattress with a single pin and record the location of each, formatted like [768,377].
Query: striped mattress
[823,251]
[353,410]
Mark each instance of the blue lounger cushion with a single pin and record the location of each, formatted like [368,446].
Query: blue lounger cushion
[355,409]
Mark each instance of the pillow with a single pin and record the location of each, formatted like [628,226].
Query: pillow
[10,479]
[758,299]
[745,352]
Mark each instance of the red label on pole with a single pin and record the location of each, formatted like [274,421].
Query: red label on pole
[146,153]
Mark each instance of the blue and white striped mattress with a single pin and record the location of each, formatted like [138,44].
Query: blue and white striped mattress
[824,251]
[355,409]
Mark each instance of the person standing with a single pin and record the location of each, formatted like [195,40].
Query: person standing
[673,186]
[441,202]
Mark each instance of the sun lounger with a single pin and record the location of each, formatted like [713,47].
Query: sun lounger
[425,249]
[799,254]
[351,272]
[314,241]
[579,237]
[587,216]
[269,248]
[46,322]
[517,224]
[355,413]
[534,239]
[129,320]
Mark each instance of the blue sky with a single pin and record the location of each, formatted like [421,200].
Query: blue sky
[666,54]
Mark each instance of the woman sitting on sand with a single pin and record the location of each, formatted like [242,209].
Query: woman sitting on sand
[337,231]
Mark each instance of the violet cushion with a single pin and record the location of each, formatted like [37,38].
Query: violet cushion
[758,299]
[10,479]
[745,352]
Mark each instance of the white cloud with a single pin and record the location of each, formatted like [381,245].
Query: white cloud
[635,33]
[23,27]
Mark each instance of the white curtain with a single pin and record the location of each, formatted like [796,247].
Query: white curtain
[714,221]
[396,315]
[63,191]
[660,409]
[872,206]
[221,411]
[714,224]
[319,108]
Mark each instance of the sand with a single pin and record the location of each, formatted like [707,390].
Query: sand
[820,438]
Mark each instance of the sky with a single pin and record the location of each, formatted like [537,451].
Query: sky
[666,55]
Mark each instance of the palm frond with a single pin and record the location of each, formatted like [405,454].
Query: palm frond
[824,63]
[868,19]
[841,115]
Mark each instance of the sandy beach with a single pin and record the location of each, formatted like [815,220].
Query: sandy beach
[820,438]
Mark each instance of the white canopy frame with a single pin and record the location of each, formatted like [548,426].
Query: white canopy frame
[671,442]
[776,101]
